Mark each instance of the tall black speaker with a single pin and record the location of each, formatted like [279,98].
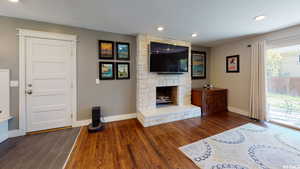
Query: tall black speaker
[96,115]
[96,124]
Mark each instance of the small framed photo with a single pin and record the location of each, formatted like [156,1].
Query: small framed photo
[123,71]
[106,49]
[123,51]
[106,71]
[233,64]
[198,65]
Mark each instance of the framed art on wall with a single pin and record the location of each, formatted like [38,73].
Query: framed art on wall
[106,49]
[123,71]
[106,71]
[123,51]
[198,65]
[233,64]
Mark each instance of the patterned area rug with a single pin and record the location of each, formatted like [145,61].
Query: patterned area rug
[247,147]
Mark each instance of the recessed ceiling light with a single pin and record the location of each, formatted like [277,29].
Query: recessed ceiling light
[14,1]
[194,35]
[160,28]
[259,18]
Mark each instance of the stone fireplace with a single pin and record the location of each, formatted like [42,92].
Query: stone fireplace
[176,88]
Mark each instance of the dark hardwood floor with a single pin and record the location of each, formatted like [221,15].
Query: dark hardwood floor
[40,151]
[127,145]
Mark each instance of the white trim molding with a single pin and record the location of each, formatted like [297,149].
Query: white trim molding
[238,111]
[19,132]
[46,35]
[119,117]
[80,123]
[24,34]
[106,119]
[16,133]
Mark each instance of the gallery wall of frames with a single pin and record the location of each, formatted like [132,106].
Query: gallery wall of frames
[114,60]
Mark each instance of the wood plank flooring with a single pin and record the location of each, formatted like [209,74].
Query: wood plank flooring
[40,151]
[127,145]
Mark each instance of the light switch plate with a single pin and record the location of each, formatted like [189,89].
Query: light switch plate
[14,83]
[97,81]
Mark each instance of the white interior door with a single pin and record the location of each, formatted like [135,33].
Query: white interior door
[48,83]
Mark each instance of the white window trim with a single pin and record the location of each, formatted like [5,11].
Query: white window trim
[23,35]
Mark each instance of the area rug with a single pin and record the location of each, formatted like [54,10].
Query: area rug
[247,147]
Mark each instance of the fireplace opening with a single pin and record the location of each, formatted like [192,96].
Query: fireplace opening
[166,96]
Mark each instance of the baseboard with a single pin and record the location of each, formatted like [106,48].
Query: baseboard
[81,123]
[18,132]
[15,133]
[106,119]
[238,111]
[119,117]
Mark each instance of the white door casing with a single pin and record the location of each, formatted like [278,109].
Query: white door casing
[47,80]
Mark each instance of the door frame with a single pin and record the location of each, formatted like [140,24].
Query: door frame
[24,34]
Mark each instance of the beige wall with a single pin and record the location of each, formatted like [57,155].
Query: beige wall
[115,96]
[197,83]
[238,84]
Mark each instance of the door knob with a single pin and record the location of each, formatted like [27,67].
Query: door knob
[29,91]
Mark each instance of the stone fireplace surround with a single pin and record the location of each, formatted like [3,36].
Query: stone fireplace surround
[147,112]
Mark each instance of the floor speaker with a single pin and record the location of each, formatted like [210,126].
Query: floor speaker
[97,124]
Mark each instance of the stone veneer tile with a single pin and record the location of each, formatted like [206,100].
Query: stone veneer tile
[147,81]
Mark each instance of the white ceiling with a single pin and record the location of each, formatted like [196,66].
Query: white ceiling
[215,21]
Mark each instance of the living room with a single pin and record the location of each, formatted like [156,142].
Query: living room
[149,84]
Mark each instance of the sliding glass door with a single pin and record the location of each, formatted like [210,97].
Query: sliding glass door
[283,85]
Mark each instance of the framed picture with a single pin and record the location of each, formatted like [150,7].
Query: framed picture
[106,71]
[106,50]
[233,64]
[198,65]
[123,71]
[123,51]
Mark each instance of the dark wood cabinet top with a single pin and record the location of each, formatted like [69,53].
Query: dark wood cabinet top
[211,89]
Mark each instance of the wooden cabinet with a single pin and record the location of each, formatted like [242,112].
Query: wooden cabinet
[197,97]
[210,100]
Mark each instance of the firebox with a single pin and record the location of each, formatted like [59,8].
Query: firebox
[166,95]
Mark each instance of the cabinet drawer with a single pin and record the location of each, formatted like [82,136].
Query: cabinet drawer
[221,92]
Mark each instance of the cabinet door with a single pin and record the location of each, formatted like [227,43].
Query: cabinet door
[221,101]
[197,98]
[4,93]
